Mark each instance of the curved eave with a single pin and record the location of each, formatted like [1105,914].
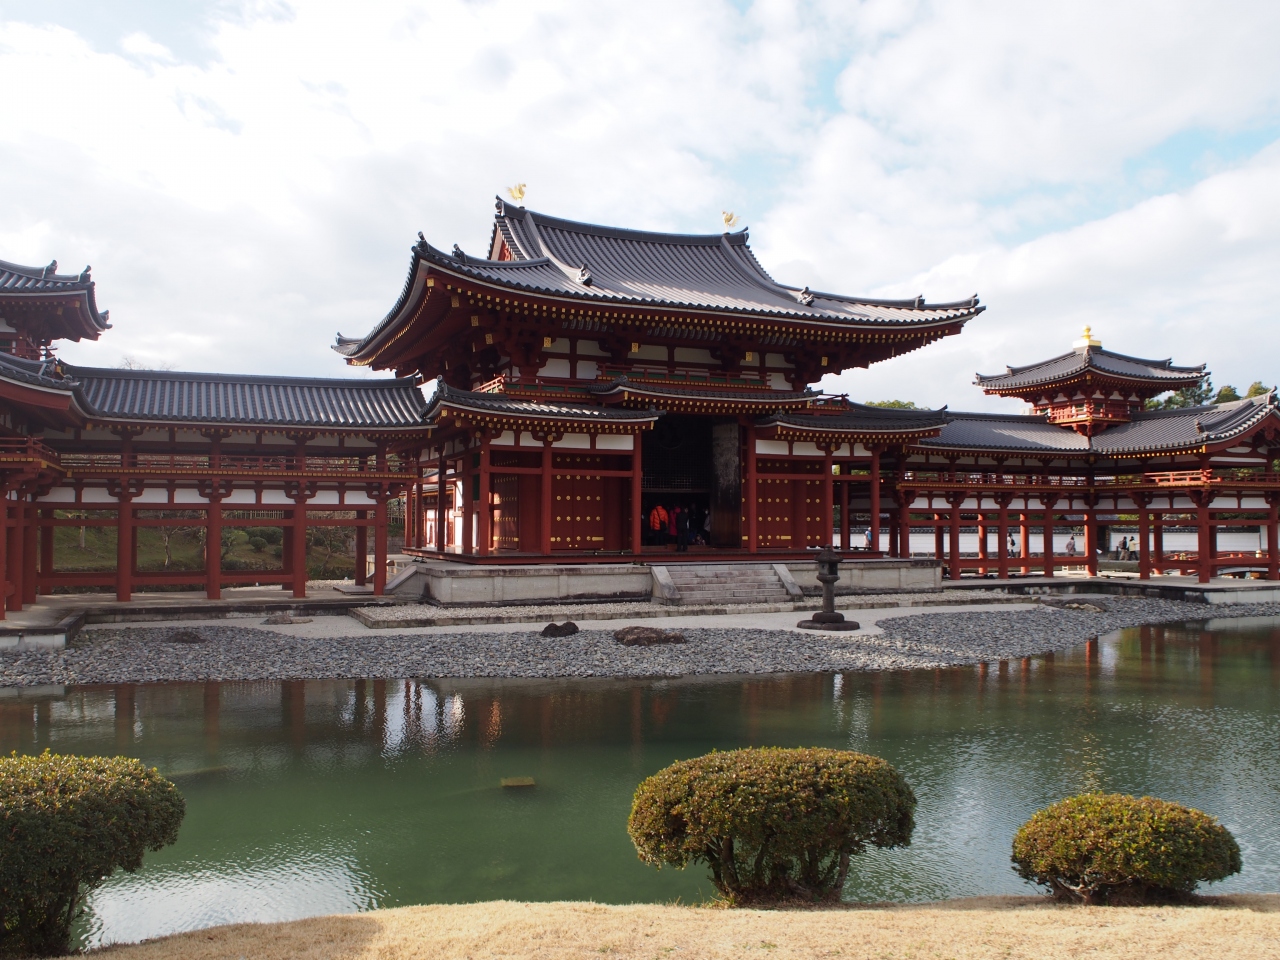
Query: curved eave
[481,416]
[787,431]
[423,264]
[97,419]
[629,395]
[991,386]
[807,319]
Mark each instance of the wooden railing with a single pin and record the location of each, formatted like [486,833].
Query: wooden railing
[27,449]
[89,464]
[1163,479]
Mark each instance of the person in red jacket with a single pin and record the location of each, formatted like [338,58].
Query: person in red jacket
[658,520]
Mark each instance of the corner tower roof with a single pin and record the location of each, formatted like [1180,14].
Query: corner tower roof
[1088,361]
[42,295]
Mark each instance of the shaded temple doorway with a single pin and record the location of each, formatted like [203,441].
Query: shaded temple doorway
[691,470]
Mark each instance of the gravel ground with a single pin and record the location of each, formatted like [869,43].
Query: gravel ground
[226,652]
[422,614]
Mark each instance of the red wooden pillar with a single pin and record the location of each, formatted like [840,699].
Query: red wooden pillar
[1091,538]
[1048,537]
[10,586]
[124,546]
[752,493]
[213,548]
[1002,532]
[1144,538]
[30,551]
[46,547]
[442,511]
[362,547]
[875,499]
[545,525]
[904,524]
[955,540]
[4,551]
[828,498]
[1272,523]
[298,534]
[1157,542]
[485,532]
[938,552]
[846,521]
[637,495]
[1204,538]
[1024,542]
[982,538]
[380,532]
[14,511]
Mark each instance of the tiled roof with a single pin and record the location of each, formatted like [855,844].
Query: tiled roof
[1150,431]
[23,282]
[207,398]
[1160,373]
[861,418]
[36,373]
[995,432]
[762,397]
[706,272]
[447,397]
[1157,430]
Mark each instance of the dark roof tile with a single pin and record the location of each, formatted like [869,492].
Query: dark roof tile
[207,398]
[1160,373]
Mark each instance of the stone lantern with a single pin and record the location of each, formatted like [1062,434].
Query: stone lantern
[828,574]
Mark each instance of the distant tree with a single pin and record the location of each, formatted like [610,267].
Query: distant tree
[1186,397]
[1257,389]
[1227,394]
[893,404]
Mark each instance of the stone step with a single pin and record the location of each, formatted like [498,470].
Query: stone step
[724,583]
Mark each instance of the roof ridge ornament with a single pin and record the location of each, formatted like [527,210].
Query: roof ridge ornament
[584,275]
[1087,342]
[805,297]
[919,301]
[84,274]
[458,254]
[50,270]
[730,219]
[516,192]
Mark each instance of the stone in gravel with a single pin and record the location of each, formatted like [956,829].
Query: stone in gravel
[646,636]
[1066,603]
[566,629]
[283,619]
[185,636]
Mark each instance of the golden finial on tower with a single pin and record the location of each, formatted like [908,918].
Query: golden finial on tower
[516,193]
[729,217]
[1087,340]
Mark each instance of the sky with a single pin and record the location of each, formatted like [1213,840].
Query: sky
[246,177]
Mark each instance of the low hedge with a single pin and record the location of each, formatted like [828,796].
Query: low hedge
[772,823]
[1110,848]
[68,823]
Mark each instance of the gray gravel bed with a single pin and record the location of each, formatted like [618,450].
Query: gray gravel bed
[423,614]
[226,652]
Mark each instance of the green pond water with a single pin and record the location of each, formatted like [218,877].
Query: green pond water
[319,797]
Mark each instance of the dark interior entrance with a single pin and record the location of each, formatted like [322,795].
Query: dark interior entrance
[691,476]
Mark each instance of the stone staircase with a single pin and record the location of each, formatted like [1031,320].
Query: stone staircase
[699,584]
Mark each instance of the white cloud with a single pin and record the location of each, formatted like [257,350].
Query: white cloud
[240,210]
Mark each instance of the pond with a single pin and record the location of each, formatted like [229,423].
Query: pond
[319,797]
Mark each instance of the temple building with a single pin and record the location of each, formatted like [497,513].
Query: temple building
[588,394]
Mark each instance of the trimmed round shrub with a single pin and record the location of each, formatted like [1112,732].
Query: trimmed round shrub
[1109,848]
[258,544]
[68,823]
[772,824]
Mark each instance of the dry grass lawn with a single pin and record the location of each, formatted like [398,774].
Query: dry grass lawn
[1241,927]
